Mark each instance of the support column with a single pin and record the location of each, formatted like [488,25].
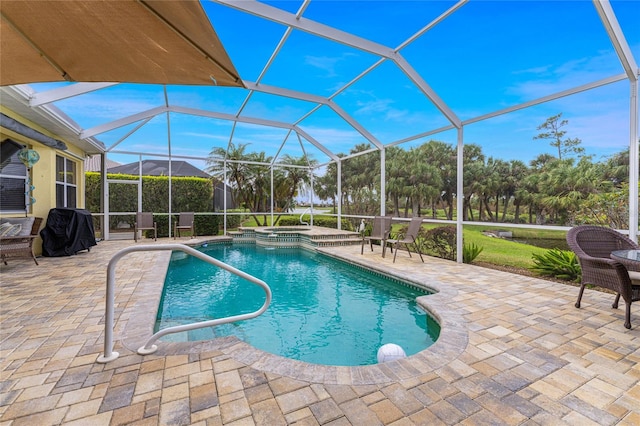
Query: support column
[459,197]
[383,182]
[633,162]
[339,191]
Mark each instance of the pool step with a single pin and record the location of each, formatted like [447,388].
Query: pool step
[308,237]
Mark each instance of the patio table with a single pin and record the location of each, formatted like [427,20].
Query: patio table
[629,258]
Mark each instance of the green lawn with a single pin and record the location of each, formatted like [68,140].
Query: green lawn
[500,251]
[497,251]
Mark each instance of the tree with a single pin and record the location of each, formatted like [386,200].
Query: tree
[248,175]
[443,156]
[473,177]
[397,175]
[554,133]
[290,180]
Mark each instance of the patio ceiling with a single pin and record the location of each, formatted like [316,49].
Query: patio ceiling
[294,97]
[111,41]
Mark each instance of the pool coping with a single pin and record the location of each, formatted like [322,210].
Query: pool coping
[136,326]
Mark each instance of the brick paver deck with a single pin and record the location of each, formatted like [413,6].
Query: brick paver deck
[513,350]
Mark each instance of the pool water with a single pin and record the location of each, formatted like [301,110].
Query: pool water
[323,311]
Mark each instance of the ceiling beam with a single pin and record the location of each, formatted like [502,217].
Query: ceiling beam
[60,93]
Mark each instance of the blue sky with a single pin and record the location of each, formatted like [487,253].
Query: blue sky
[486,56]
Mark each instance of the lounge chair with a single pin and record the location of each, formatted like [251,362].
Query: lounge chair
[593,246]
[21,244]
[410,238]
[380,232]
[185,223]
[144,222]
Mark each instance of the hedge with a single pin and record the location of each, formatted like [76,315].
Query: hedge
[189,194]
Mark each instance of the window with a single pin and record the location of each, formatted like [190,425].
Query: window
[13,178]
[66,187]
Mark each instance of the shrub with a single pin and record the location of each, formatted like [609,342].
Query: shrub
[441,241]
[233,221]
[324,221]
[470,252]
[562,264]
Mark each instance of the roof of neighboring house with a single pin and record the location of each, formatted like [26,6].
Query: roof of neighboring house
[93,164]
[160,168]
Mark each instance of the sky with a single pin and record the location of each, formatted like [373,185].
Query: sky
[486,56]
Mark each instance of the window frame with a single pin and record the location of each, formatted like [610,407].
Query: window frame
[65,184]
[24,178]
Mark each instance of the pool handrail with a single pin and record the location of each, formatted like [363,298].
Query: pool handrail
[149,347]
[310,211]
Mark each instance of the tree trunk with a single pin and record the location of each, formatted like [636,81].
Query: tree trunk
[488,209]
[504,209]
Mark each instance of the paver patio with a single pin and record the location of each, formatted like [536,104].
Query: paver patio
[513,350]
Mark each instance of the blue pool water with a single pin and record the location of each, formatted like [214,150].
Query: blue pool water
[323,311]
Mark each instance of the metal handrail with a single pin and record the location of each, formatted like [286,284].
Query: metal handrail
[149,347]
[310,211]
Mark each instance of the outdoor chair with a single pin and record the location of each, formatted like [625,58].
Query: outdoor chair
[380,232]
[145,222]
[20,244]
[410,238]
[593,246]
[184,223]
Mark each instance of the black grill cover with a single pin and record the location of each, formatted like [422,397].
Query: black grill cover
[67,232]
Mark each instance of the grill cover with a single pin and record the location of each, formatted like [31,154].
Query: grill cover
[67,232]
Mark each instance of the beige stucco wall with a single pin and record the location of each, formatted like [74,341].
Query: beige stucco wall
[43,174]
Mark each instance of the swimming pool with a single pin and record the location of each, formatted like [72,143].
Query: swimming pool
[323,311]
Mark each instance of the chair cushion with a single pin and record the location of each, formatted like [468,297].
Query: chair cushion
[635,277]
[10,230]
[26,223]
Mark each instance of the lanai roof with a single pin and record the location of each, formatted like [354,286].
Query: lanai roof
[321,77]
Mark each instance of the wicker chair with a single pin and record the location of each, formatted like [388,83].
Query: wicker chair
[20,245]
[144,222]
[593,246]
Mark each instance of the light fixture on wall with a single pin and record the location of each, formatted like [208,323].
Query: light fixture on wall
[29,157]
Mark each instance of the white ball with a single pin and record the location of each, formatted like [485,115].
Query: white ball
[390,352]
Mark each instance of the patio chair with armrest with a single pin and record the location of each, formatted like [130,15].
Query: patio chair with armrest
[410,238]
[145,222]
[20,245]
[185,223]
[593,246]
[380,232]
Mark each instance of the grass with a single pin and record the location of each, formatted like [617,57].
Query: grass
[504,252]
[496,251]
[499,251]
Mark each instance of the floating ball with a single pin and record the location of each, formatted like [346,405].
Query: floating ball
[390,352]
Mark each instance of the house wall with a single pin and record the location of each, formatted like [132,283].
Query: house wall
[43,174]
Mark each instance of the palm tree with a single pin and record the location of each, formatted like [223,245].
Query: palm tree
[292,179]
[396,176]
[248,175]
